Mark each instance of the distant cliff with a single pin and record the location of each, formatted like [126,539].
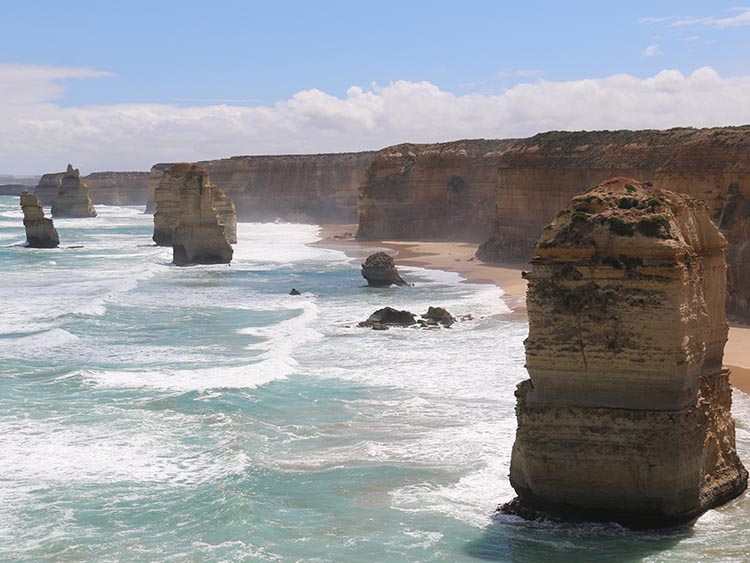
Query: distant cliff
[118,188]
[438,191]
[108,188]
[318,188]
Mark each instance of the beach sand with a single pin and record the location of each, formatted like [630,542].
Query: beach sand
[459,257]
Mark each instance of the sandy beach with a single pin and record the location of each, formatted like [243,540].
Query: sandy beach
[459,257]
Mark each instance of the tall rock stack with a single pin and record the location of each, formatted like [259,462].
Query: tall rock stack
[40,232]
[167,200]
[72,199]
[198,237]
[626,415]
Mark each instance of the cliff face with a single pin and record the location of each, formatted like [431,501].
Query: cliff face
[440,191]
[46,189]
[318,188]
[169,195]
[198,237]
[40,232]
[626,415]
[72,199]
[118,188]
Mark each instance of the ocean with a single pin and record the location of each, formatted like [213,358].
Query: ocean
[155,413]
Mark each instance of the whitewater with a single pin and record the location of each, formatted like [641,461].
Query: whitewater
[203,414]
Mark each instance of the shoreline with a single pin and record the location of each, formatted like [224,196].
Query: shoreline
[459,257]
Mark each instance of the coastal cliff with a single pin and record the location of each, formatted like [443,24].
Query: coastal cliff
[626,416]
[318,188]
[426,192]
[118,188]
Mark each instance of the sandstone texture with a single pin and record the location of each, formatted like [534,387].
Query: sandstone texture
[198,236]
[626,416]
[380,271]
[443,191]
[168,197]
[317,188]
[40,232]
[72,199]
[49,184]
[118,188]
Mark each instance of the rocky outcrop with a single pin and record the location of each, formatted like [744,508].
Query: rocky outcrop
[40,232]
[314,188]
[388,316]
[49,184]
[72,199]
[626,416]
[380,271]
[198,237]
[168,206]
[118,188]
[431,192]
[440,316]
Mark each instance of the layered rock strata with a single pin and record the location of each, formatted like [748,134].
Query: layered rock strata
[314,188]
[198,237]
[380,271]
[626,416]
[40,232]
[49,184]
[430,192]
[168,207]
[118,188]
[72,199]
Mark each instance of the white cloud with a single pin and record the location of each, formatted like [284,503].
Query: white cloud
[36,135]
[651,51]
[741,19]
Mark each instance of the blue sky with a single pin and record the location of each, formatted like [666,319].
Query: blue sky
[262,54]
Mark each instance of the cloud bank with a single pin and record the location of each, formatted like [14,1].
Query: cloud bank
[37,135]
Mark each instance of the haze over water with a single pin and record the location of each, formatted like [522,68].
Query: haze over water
[155,413]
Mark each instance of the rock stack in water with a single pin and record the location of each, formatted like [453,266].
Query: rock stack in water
[380,271]
[72,199]
[198,237]
[626,416]
[167,204]
[40,232]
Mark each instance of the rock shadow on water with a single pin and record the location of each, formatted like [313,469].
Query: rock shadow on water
[512,539]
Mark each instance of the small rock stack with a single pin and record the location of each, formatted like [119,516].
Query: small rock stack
[380,271]
[72,199]
[626,415]
[40,232]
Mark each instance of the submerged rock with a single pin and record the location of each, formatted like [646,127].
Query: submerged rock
[40,232]
[72,199]
[294,291]
[626,415]
[389,316]
[439,315]
[198,237]
[380,271]
[167,197]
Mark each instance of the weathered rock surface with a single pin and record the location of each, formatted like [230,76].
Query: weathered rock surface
[168,207]
[40,232]
[72,199]
[118,188]
[49,184]
[198,237]
[388,316]
[439,315]
[626,416]
[431,192]
[314,188]
[380,271]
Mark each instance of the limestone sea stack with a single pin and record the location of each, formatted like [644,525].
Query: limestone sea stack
[626,415]
[198,237]
[72,199]
[40,232]
[380,271]
[167,207]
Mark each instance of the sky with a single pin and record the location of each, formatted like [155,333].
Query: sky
[123,85]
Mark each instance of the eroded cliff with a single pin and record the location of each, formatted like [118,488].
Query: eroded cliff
[72,199]
[319,188]
[626,415]
[118,188]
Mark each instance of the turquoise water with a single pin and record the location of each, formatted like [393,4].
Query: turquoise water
[154,413]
